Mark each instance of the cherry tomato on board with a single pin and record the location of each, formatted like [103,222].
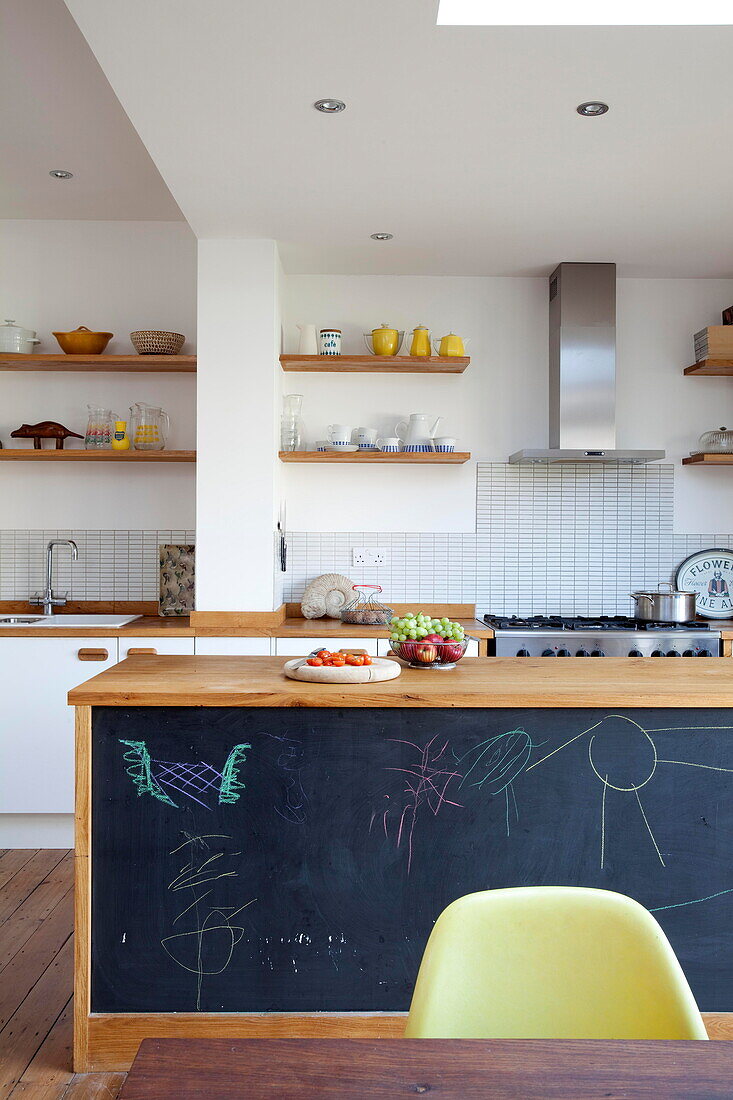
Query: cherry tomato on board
[355,659]
[323,653]
[315,661]
[366,659]
[337,661]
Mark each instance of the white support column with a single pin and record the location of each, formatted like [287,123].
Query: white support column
[237,475]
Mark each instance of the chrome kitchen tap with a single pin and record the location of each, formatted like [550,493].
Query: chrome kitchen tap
[48,601]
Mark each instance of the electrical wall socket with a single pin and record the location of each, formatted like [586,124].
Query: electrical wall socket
[368,557]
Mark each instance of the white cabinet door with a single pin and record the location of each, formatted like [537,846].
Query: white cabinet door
[299,647]
[233,647]
[36,723]
[162,646]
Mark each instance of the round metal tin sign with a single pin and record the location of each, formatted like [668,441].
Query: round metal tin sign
[709,574]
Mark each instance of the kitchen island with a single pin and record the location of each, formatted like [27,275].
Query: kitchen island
[261,856]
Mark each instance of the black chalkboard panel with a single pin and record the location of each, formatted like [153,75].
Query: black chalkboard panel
[295,859]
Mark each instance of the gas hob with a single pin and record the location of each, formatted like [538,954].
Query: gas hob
[600,636]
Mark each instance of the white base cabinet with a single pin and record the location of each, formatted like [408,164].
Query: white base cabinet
[301,647]
[233,647]
[37,741]
[162,647]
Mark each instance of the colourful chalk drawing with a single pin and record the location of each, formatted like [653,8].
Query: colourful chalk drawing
[196,780]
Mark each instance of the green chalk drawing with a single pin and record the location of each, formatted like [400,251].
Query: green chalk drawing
[138,759]
[231,784]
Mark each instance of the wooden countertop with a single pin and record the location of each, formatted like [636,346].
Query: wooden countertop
[476,682]
[180,627]
[147,626]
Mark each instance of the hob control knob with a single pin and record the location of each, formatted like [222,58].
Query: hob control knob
[657,653]
[705,653]
[598,653]
[635,653]
[522,653]
[582,653]
[673,653]
[549,653]
[689,653]
[563,652]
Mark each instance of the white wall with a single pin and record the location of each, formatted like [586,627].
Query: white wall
[114,276]
[500,404]
[237,478]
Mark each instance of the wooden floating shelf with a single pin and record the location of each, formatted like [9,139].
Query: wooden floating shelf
[376,364]
[420,458]
[708,460]
[711,367]
[111,364]
[18,455]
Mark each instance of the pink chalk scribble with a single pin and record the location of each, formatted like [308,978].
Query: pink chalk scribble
[426,785]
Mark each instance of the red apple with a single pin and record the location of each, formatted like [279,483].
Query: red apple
[405,650]
[426,654]
[451,651]
[433,638]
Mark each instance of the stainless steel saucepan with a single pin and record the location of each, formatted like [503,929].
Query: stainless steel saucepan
[672,606]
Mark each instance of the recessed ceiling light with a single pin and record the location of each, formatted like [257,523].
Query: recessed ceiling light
[60,174]
[578,13]
[591,109]
[381,236]
[330,106]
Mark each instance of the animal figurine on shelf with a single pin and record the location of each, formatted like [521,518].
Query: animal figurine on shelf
[47,429]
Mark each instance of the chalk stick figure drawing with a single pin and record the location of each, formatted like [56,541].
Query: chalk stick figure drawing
[491,766]
[197,780]
[628,771]
[207,947]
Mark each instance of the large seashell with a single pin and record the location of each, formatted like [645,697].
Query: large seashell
[326,595]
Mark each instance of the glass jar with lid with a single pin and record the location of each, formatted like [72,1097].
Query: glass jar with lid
[718,441]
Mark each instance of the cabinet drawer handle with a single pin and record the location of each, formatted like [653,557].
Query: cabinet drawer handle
[93,655]
[139,651]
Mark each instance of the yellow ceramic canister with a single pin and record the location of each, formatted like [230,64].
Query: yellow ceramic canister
[420,345]
[385,340]
[451,345]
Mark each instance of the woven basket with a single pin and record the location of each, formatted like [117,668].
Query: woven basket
[155,342]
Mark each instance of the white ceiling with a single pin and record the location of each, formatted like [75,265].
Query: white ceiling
[462,141]
[60,112]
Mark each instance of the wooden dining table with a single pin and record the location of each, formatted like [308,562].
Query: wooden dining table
[446,1069]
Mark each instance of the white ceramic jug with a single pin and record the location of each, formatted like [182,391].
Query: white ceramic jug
[308,342]
[418,431]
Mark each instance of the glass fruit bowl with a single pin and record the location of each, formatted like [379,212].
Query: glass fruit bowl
[424,654]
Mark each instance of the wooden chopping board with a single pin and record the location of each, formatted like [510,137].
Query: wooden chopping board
[379,669]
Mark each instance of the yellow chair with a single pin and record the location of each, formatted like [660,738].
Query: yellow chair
[551,962]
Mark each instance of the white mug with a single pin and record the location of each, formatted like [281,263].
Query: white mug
[390,444]
[366,438]
[444,444]
[321,444]
[339,433]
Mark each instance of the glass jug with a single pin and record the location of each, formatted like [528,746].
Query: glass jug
[149,427]
[100,427]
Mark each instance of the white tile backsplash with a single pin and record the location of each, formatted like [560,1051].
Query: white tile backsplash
[112,565]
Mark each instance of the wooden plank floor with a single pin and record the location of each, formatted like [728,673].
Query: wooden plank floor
[36,968]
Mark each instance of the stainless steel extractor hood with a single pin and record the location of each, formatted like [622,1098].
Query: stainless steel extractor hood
[583,370]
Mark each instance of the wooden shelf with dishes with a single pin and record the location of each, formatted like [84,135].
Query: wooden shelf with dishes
[121,457]
[708,459]
[711,367]
[111,364]
[376,364]
[366,458]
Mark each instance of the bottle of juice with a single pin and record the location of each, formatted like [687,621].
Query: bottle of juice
[120,438]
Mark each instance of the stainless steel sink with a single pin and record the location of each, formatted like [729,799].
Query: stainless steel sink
[19,620]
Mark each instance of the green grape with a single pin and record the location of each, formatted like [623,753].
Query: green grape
[394,636]
[402,637]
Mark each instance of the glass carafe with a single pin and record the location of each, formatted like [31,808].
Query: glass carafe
[100,427]
[149,427]
[291,424]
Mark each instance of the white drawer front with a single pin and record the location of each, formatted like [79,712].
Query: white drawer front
[162,646]
[299,647]
[232,647]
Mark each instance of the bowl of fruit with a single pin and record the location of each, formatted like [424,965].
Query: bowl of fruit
[424,642]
